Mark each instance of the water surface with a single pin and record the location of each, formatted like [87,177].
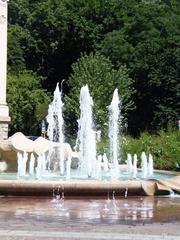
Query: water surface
[26,211]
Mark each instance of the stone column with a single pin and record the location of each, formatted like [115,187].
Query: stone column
[4,110]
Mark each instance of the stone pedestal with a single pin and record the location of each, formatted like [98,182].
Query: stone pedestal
[4,123]
[4,110]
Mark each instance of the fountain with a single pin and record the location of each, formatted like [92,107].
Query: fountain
[19,164]
[31,164]
[98,167]
[40,161]
[129,164]
[114,134]
[135,171]
[150,166]
[144,165]
[105,162]
[86,135]
[53,161]
[55,126]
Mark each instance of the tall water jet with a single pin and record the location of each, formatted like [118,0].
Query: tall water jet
[31,164]
[114,116]
[135,171]
[105,163]
[144,165]
[150,166]
[86,134]
[19,165]
[98,167]
[55,126]
[25,158]
[129,164]
[39,168]
[68,169]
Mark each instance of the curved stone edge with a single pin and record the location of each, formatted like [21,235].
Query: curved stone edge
[89,187]
[74,188]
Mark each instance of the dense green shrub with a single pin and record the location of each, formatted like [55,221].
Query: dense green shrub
[165,148]
[28,102]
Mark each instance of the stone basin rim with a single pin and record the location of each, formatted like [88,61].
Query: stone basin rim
[133,187]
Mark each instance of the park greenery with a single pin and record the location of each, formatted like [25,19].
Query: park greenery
[28,103]
[164,147]
[94,70]
[132,45]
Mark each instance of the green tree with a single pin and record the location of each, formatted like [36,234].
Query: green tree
[59,31]
[48,36]
[149,45]
[26,98]
[99,74]
[17,43]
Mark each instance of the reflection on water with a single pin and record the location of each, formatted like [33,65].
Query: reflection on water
[93,211]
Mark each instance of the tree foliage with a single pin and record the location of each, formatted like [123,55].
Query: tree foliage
[48,36]
[99,74]
[27,102]
[149,45]
[58,31]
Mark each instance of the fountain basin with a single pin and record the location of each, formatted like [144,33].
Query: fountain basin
[148,187]
[75,175]
[9,185]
